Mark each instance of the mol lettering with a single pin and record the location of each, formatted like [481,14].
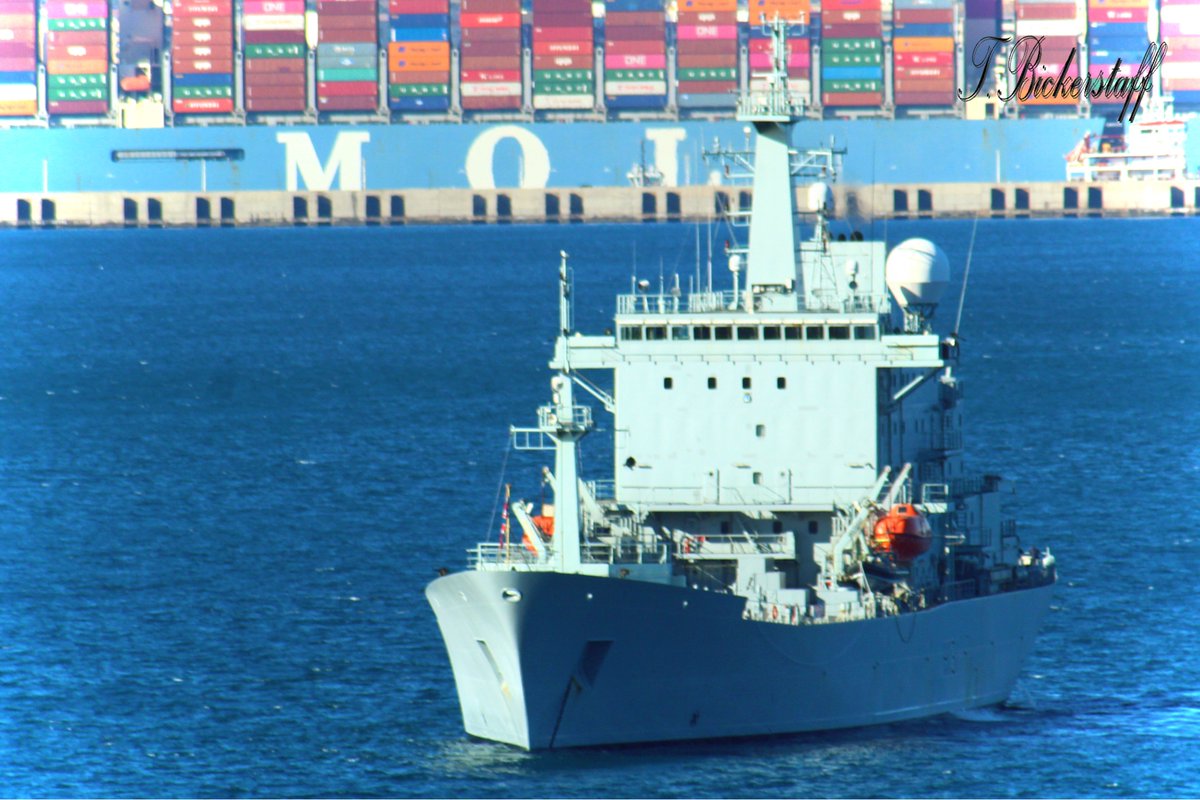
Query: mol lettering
[535,159]
[345,162]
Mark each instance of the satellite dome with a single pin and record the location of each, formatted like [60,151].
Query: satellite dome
[918,273]
[820,196]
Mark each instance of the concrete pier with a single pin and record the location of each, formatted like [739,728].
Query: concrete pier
[586,204]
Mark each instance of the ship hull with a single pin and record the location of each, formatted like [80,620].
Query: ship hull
[545,660]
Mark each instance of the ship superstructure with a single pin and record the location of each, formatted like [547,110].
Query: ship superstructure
[789,540]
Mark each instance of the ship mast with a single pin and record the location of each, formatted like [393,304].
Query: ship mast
[771,261]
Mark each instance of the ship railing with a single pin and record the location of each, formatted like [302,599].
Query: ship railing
[935,493]
[623,550]
[672,303]
[725,545]
[718,492]
[501,556]
[605,489]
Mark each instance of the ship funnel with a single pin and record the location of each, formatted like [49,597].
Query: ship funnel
[918,273]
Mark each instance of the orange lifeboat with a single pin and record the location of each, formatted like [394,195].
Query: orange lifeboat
[904,532]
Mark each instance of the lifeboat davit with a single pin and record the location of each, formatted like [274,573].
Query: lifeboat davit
[904,532]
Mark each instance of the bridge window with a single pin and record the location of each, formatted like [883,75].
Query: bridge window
[864,332]
[760,431]
[745,383]
[679,332]
[812,526]
[712,383]
[668,383]
[839,332]
[771,332]
[747,331]
[631,333]
[701,332]
[781,383]
[656,332]
[723,332]
[792,332]
[757,478]
[814,332]
[777,527]
[726,527]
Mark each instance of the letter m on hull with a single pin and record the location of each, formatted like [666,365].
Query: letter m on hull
[345,162]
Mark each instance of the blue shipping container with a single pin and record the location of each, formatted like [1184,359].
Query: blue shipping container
[923,29]
[852,73]
[209,79]
[435,103]
[419,20]
[418,34]
[632,101]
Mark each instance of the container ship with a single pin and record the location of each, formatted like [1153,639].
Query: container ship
[276,94]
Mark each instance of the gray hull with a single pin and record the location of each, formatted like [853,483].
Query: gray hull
[580,660]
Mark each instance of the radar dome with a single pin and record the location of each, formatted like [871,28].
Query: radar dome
[917,273]
[820,196]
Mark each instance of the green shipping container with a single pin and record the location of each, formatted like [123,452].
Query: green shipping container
[60,81]
[274,51]
[850,46]
[78,24]
[338,75]
[79,93]
[635,74]
[418,89]
[202,92]
[563,88]
[859,59]
[852,86]
[709,74]
[561,75]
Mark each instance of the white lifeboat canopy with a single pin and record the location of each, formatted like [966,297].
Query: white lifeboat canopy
[918,273]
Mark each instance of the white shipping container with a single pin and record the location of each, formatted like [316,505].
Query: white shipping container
[639,88]
[1050,27]
[18,91]
[549,102]
[273,22]
[498,89]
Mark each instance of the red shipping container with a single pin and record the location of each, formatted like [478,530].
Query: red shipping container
[635,46]
[18,50]
[852,99]
[17,64]
[494,20]
[277,79]
[853,16]
[925,73]
[202,105]
[926,98]
[1047,11]
[19,7]
[633,18]
[709,62]
[275,91]
[85,38]
[265,105]
[490,103]
[214,38]
[432,76]
[561,48]
[351,22]
[273,37]
[707,18]
[829,5]
[849,31]
[204,8]
[185,66]
[490,62]
[292,66]
[204,24]
[8,21]
[345,103]
[77,107]
[348,8]
[491,6]
[562,20]
[562,34]
[923,16]
[924,59]
[347,88]
[200,52]
[489,49]
[76,52]
[491,76]
[707,87]
[701,47]
[419,7]
[491,35]
[347,37]
[945,85]
[561,6]
[564,62]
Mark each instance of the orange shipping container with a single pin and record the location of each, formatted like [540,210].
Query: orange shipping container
[76,52]
[707,5]
[77,67]
[18,108]
[420,48]
[923,44]
[405,63]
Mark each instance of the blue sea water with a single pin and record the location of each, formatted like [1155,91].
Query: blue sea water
[230,461]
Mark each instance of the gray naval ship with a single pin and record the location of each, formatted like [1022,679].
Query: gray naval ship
[790,541]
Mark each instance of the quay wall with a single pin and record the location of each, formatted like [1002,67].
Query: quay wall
[585,204]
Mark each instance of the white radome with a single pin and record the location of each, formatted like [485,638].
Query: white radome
[918,273]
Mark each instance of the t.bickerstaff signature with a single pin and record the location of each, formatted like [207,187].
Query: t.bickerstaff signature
[1025,62]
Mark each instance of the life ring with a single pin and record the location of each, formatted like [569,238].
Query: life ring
[774,613]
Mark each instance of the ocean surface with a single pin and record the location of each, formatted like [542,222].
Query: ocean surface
[230,460]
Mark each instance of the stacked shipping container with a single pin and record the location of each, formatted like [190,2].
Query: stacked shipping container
[799,54]
[1180,28]
[490,70]
[1060,26]
[635,55]
[77,38]
[18,58]
[706,62]
[275,55]
[1116,31]
[982,20]
[562,32]
[347,55]
[923,52]
[852,53]
[202,57]
[419,55]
